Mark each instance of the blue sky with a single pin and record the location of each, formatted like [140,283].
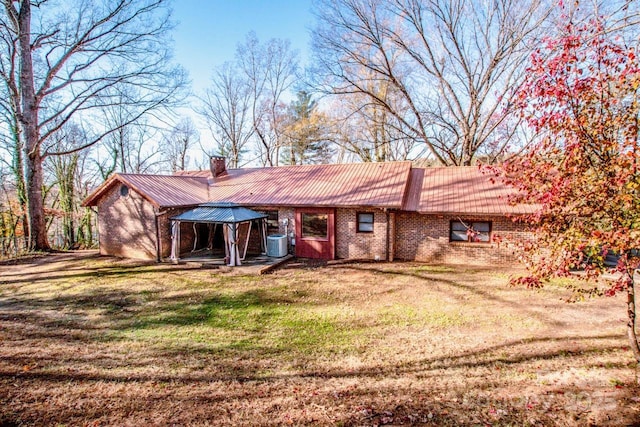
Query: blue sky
[208,31]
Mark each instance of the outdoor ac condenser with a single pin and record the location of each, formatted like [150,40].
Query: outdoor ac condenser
[277,245]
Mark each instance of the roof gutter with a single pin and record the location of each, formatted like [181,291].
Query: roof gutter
[449,213]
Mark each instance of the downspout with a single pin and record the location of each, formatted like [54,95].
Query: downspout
[386,245]
[97,225]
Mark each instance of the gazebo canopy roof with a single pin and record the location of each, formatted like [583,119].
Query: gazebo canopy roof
[219,212]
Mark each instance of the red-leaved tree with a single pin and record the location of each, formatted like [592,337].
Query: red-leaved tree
[581,97]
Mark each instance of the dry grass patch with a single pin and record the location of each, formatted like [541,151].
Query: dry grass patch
[91,340]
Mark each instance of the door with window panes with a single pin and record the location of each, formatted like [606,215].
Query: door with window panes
[315,233]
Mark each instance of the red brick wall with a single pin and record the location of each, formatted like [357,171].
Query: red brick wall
[164,225]
[391,238]
[283,213]
[127,228]
[426,238]
[350,244]
[255,239]
[126,225]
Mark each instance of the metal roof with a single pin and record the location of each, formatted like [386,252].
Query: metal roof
[463,190]
[170,190]
[336,185]
[160,190]
[226,213]
[393,185]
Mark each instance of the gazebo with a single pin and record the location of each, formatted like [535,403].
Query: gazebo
[229,216]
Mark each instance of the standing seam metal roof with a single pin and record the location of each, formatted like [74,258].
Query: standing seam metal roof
[463,190]
[393,185]
[339,185]
[160,190]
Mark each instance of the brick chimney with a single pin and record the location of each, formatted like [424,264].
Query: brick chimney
[218,166]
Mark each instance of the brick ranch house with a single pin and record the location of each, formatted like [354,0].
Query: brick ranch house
[382,211]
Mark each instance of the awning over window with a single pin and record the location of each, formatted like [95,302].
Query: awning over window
[220,213]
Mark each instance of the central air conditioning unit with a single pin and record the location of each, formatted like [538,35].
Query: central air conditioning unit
[277,245]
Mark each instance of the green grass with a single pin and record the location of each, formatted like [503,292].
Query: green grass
[254,320]
[432,317]
[111,342]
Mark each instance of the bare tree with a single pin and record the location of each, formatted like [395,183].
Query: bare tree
[270,70]
[227,107]
[10,141]
[11,214]
[245,102]
[622,16]
[60,60]
[451,63]
[64,170]
[367,132]
[13,159]
[177,142]
[130,149]
[72,181]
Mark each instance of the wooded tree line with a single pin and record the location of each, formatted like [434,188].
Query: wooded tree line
[89,88]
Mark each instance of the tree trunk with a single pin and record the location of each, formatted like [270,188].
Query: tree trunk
[30,132]
[38,237]
[631,325]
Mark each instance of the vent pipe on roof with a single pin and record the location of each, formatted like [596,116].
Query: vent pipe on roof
[218,166]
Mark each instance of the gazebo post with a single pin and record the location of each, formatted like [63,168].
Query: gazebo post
[225,234]
[234,258]
[236,247]
[263,234]
[175,241]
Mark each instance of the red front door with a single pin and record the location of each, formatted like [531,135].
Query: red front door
[315,233]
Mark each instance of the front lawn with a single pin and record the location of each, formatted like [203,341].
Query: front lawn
[87,340]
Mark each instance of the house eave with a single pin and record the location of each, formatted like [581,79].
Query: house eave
[92,199]
[473,213]
[322,205]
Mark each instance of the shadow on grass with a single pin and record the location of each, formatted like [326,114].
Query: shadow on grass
[43,276]
[250,309]
[124,309]
[251,323]
[474,288]
[233,369]
[103,335]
